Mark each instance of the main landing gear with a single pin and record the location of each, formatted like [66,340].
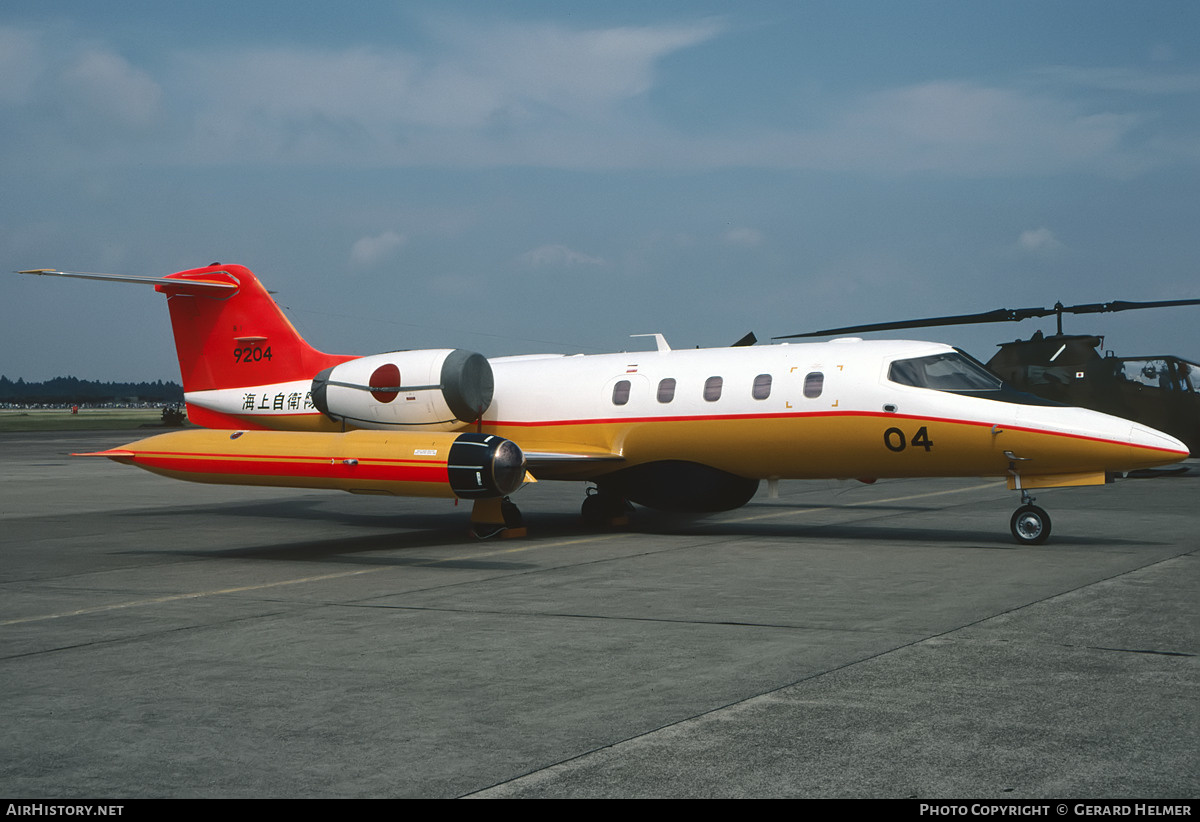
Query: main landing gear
[1030,524]
[605,509]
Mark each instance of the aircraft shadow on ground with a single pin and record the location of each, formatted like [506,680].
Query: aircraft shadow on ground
[404,531]
[407,531]
[371,550]
[876,531]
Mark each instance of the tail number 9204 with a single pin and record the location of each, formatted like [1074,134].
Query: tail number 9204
[251,353]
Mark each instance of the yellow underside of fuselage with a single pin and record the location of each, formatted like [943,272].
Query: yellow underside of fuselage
[846,445]
[831,446]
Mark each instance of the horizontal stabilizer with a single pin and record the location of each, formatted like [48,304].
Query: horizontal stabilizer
[165,283]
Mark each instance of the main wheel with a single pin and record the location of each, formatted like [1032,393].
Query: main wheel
[593,511]
[604,510]
[1030,525]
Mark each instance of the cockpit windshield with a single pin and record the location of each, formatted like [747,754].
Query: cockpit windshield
[952,371]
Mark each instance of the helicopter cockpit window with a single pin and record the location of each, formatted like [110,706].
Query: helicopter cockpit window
[944,372]
[1151,373]
[1193,374]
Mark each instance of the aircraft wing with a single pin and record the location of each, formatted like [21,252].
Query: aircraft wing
[549,461]
[557,457]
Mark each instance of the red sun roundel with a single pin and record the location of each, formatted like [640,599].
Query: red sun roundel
[384,382]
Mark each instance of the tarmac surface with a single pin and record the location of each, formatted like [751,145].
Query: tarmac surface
[167,639]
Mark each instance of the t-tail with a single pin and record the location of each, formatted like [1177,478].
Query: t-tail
[242,361]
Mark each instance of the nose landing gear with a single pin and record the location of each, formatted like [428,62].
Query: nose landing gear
[1030,525]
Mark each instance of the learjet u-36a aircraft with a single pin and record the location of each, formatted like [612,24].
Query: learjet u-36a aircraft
[690,430]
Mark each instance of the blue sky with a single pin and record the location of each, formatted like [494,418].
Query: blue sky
[535,176]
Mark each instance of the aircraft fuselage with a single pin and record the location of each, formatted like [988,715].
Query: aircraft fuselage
[806,411]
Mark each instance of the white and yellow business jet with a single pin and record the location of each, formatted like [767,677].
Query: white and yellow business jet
[692,430]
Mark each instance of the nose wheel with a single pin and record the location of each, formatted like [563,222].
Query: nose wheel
[1030,525]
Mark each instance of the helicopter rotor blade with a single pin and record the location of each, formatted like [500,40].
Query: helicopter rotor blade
[1000,315]
[1123,305]
[997,316]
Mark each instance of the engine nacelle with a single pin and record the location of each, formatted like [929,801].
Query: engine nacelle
[435,390]
[481,466]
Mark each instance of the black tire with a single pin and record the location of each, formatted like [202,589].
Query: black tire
[596,510]
[603,509]
[1030,525]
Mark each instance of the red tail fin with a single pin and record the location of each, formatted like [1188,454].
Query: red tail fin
[234,338]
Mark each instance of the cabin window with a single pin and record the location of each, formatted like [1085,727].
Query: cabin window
[762,387]
[712,388]
[621,392]
[666,389]
[814,383]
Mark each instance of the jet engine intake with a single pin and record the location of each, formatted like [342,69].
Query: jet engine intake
[482,466]
[433,390]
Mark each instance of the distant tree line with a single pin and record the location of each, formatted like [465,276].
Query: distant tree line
[69,390]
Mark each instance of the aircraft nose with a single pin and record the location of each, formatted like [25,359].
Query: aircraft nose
[1143,436]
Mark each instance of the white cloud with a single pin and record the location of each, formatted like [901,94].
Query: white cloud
[369,251]
[1038,240]
[477,96]
[556,255]
[565,99]
[1162,53]
[967,129]
[20,64]
[455,285]
[580,71]
[71,95]
[547,95]
[105,85]
[1120,79]
[748,237]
